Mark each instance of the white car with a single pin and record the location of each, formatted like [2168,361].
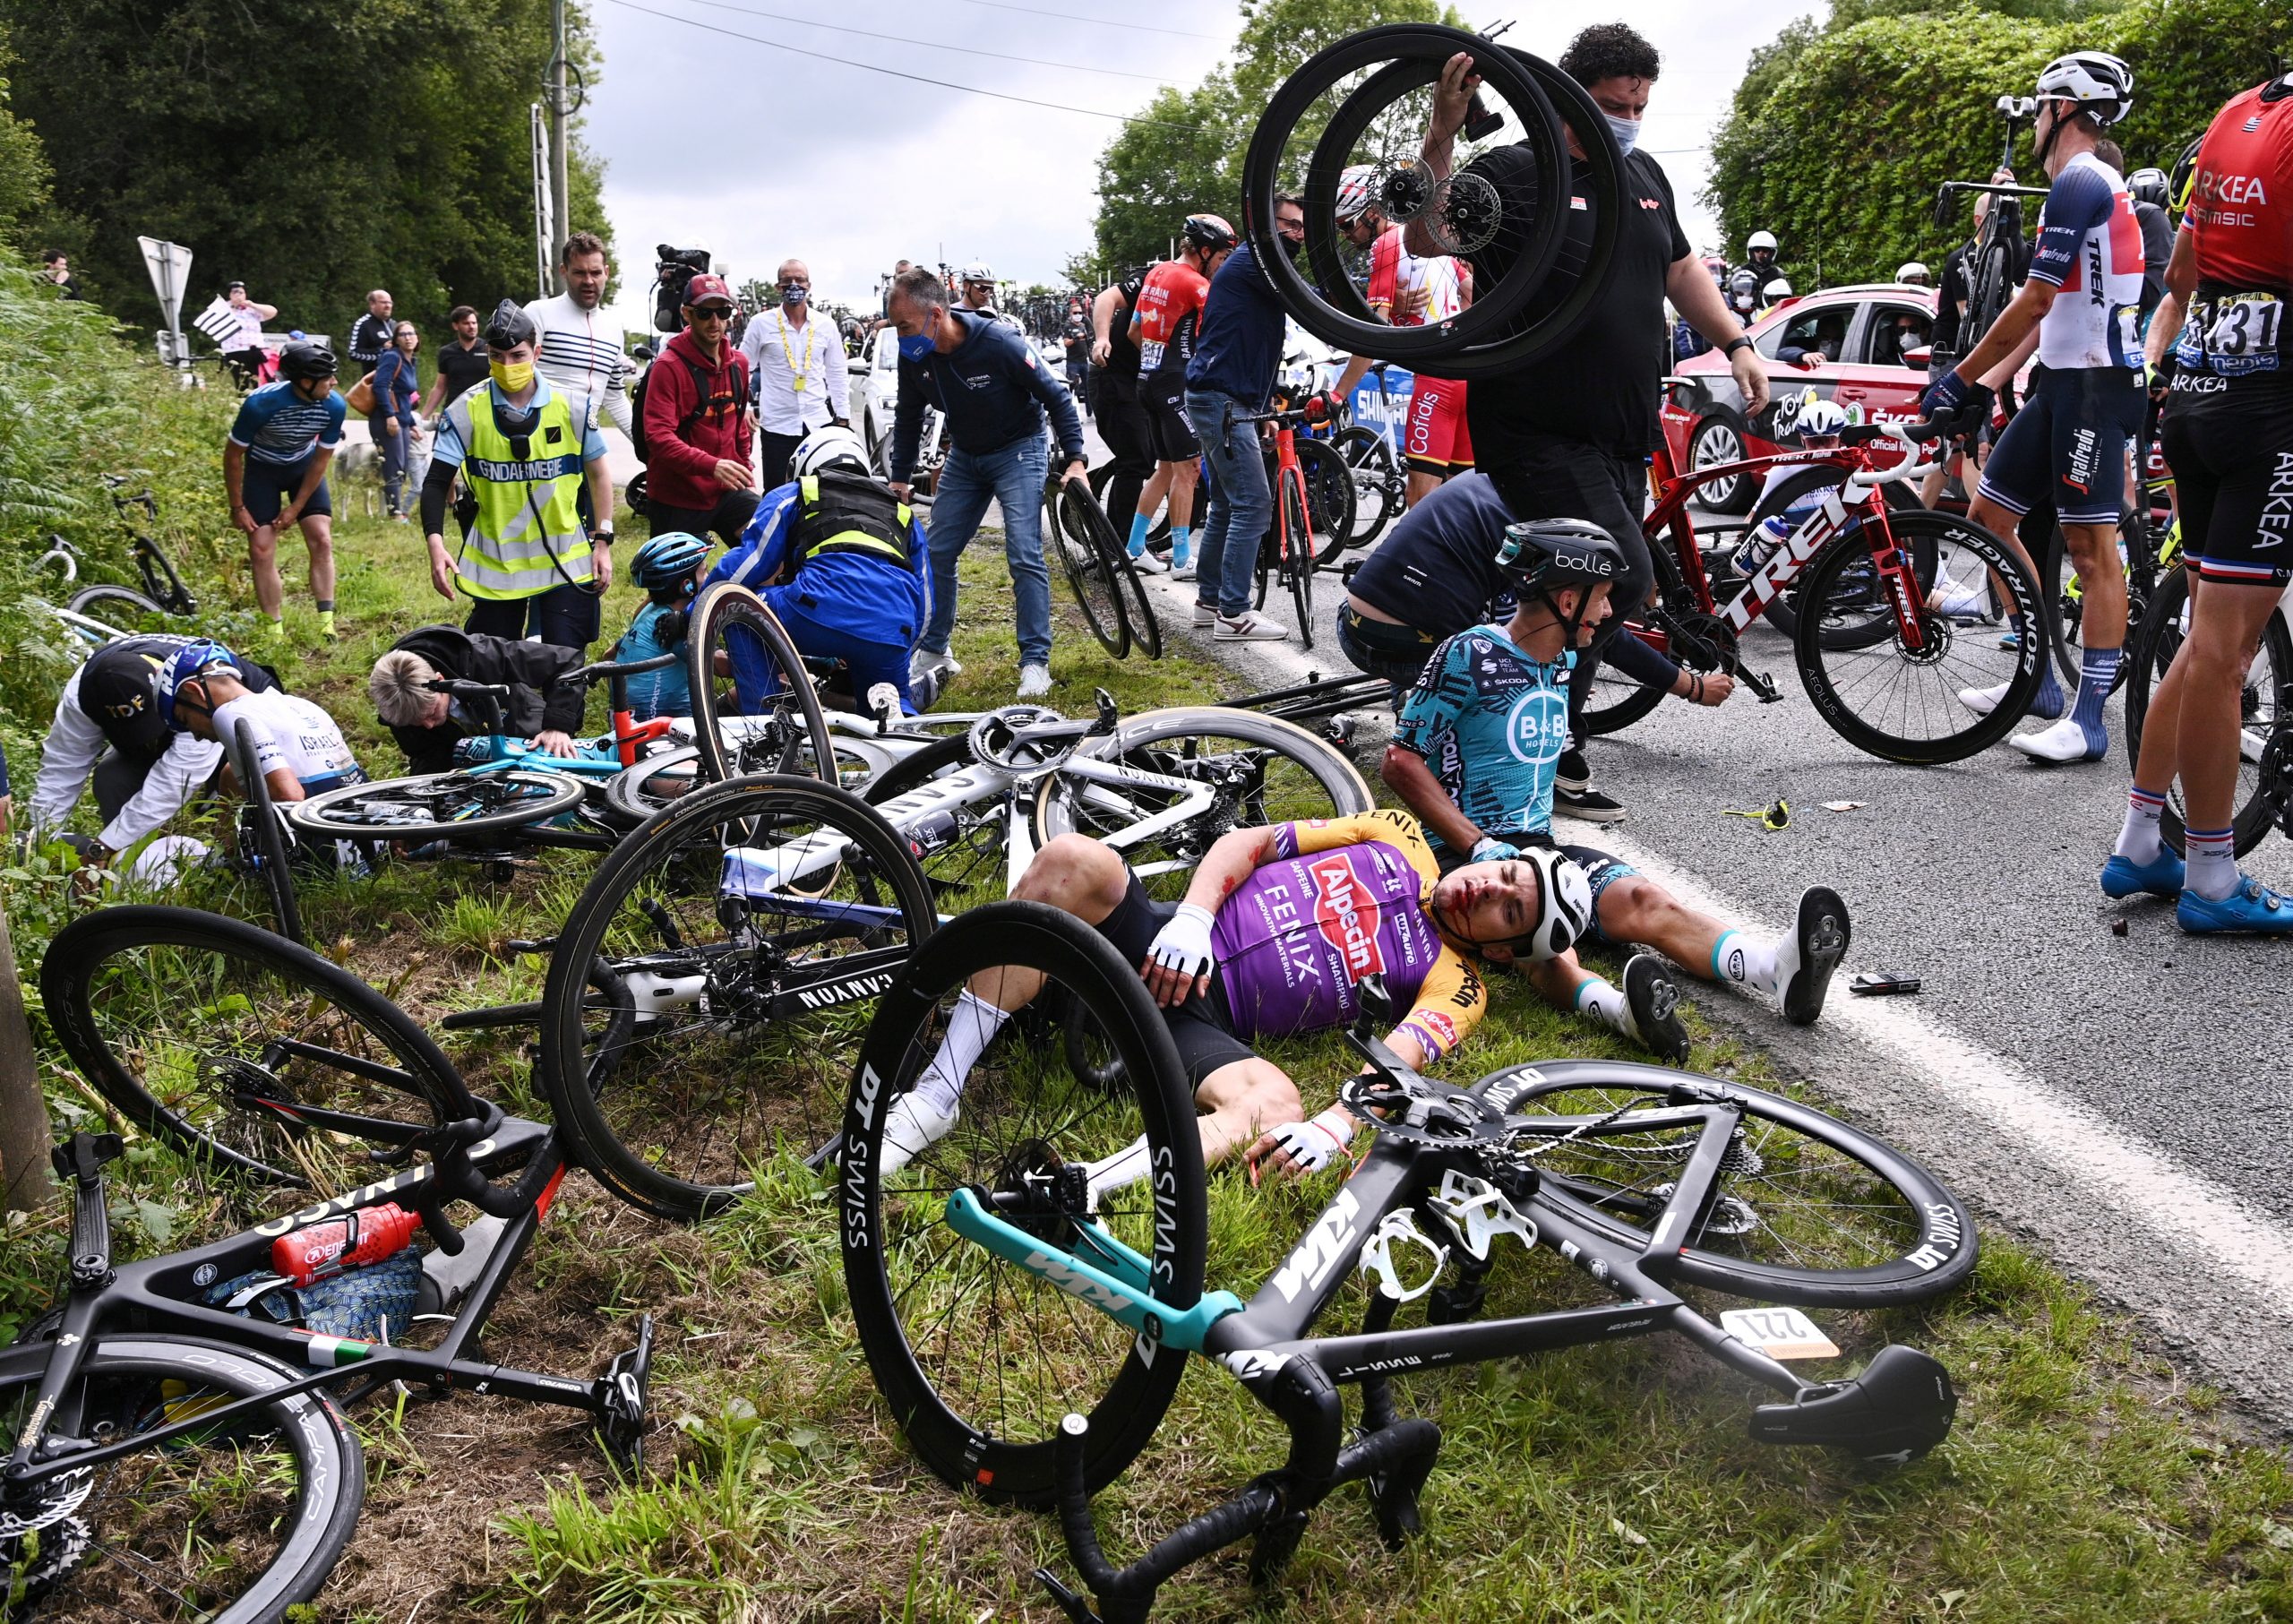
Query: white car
[876,386]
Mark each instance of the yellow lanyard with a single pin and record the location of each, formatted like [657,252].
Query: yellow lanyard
[803,372]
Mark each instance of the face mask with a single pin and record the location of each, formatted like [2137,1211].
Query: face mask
[513,377]
[794,296]
[1627,131]
[1290,250]
[915,346]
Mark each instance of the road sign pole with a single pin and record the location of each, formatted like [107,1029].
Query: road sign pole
[560,109]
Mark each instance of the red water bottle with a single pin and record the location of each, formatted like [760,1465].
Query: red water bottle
[365,1236]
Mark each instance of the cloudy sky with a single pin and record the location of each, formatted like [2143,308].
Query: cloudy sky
[760,152]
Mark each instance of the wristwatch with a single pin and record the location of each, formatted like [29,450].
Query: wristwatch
[601,538]
[1739,342]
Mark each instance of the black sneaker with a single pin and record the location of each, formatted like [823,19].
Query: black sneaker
[1589,805]
[1821,938]
[1654,1003]
[1572,773]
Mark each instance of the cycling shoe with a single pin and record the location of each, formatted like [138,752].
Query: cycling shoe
[1821,937]
[1899,1407]
[2161,876]
[2252,909]
[1655,1005]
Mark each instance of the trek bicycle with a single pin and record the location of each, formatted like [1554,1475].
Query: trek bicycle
[740,923]
[1995,267]
[1896,611]
[178,1446]
[1028,1335]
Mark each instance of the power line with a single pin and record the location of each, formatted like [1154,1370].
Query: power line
[1071,68]
[1143,28]
[869,67]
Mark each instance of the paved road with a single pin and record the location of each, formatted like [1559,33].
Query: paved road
[2123,1099]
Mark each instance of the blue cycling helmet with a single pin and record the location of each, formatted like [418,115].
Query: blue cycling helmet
[667,559]
[192,659]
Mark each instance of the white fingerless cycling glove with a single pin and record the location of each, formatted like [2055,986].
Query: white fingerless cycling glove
[1313,1144]
[1489,848]
[1184,945]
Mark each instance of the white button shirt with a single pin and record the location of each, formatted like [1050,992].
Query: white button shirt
[776,348]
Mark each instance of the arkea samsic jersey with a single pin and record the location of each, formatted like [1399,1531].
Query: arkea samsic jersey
[2241,208]
[1343,899]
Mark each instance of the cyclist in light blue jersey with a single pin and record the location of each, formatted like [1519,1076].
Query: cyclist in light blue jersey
[274,468]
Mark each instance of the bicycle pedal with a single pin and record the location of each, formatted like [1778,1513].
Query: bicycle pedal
[621,1396]
[1762,686]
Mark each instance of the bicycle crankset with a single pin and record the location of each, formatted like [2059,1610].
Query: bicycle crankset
[1705,642]
[1423,1112]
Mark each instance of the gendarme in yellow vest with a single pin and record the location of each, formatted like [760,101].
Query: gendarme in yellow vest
[527,535]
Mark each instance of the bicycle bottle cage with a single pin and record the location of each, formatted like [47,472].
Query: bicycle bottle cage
[1377,1255]
[1477,1212]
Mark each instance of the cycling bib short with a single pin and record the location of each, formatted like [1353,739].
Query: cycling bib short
[1438,441]
[2068,446]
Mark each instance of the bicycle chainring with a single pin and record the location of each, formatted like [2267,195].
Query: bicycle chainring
[1702,642]
[1428,1113]
[996,741]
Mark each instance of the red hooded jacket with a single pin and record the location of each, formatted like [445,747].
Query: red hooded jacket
[685,436]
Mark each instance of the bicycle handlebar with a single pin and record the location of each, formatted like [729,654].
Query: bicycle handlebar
[601,670]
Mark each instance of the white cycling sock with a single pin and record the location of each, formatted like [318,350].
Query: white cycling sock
[1601,1000]
[1126,1166]
[2138,841]
[2212,863]
[972,1026]
[1764,967]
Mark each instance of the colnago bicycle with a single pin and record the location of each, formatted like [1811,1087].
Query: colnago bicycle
[1897,611]
[696,1017]
[1028,1332]
[179,1450]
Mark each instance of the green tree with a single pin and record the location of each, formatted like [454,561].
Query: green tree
[1839,137]
[314,149]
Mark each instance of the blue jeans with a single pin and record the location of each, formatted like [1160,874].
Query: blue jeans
[1012,475]
[1241,504]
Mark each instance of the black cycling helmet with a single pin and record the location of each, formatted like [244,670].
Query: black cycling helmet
[306,361]
[2185,176]
[2149,186]
[1207,231]
[1545,555]
[510,326]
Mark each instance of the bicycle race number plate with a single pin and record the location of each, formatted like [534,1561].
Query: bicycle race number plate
[1780,1333]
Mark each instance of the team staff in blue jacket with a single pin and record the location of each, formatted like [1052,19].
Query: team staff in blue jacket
[994,391]
[1236,347]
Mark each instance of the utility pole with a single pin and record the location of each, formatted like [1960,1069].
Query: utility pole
[559,109]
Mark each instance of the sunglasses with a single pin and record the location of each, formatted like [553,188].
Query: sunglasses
[712,313]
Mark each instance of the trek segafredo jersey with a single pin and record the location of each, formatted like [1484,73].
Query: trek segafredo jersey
[1343,899]
[2089,247]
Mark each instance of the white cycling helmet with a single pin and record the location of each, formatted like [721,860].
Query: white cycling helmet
[1564,903]
[1777,289]
[1914,272]
[2099,82]
[1354,190]
[1760,239]
[829,447]
[1826,418]
[977,271]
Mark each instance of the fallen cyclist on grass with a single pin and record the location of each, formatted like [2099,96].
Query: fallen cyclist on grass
[1475,754]
[1279,927]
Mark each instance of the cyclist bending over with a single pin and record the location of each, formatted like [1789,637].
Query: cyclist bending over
[1278,928]
[298,748]
[1474,756]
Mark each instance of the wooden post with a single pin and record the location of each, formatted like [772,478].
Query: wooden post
[25,1185]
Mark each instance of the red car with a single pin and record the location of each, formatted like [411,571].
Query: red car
[1843,344]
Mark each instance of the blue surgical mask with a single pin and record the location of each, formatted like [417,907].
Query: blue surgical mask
[915,346]
[1626,131]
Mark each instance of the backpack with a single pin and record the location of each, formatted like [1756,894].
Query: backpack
[736,364]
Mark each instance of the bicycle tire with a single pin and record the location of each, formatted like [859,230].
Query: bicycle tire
[997,1441]
[1841,574]
[1330,500]
[109,603]
[1370,455]
[794,736]
[642,1091]
[296,1460]
[1329,786]
[2265,704]
[261,821]
[1924,1242]
[207,1006]
[1986,287]
[636,793]
[1632,701]
[1783,614]
[409,809]
[1137,613]
[1297,564]
[1088,566]
[2066,613]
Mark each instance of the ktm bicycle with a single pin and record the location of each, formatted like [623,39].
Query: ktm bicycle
[1028,1329]
[1894,611]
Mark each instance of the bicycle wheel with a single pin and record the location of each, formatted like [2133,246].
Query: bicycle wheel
[121,607]
[659,780]
[1616,701]
[2264,707]
[1805,1209]
[977,1359]
[1259,770]
[462,805]
[698,1014]
[234,1526]
[1088,564]
[754,708]
[1884,697]
[2066,602]
[1330,500]
[1783,614]
[246,1051]
[1297,563]
[1378,488]
[1137,614]
[262,837]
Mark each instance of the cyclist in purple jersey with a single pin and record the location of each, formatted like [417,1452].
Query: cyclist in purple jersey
[1279,928]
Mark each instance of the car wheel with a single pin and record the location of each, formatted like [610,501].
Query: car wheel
[879,447]
[1717,440]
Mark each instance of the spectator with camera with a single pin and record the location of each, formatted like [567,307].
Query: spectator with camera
[696,474]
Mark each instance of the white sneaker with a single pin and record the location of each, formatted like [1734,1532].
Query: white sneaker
[1182,560]
[1184,570]
[1034,682]
[910,1125]
[1205,615]
[1982,701]
[2066,742]
[1148,562]
[923,662]
[1247,627]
